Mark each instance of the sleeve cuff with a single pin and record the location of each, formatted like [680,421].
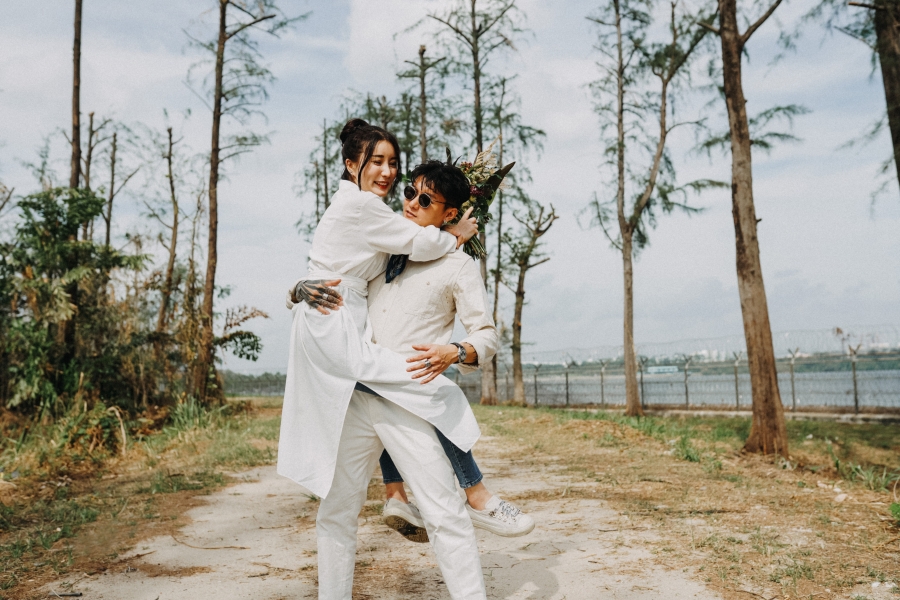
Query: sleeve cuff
[480,351]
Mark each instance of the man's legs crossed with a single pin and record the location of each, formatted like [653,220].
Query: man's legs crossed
[337,520]
[415,449]
[486,510]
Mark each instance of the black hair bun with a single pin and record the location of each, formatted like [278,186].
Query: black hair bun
[352,126]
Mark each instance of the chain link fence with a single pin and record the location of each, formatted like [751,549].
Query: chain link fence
[836,383]
[853,369]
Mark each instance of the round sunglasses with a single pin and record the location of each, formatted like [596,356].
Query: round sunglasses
[424,199]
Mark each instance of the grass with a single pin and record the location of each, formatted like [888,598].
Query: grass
[664,470]
[63,489]
[749,522]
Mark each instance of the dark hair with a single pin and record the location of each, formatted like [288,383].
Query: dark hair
[446,179]
[358,141]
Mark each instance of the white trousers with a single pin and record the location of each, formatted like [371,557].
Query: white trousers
[371,425]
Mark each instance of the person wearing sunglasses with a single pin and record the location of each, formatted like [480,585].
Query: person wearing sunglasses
[332,434]
[416,301]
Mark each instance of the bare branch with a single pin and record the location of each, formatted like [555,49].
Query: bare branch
[540,262]
[709,27]
[864,5]
[486,27]
[453,28]
[675,66]
[598,21]
[5,200]
[752,29]
[124,182]
[252,23]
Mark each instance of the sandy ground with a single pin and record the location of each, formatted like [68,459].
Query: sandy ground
[256,539]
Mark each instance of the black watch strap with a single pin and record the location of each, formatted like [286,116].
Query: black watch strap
[461,352]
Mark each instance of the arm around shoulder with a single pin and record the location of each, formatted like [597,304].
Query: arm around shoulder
[386,231]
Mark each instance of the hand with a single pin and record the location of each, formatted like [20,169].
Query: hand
[466,229]
[439,356]
[318,294]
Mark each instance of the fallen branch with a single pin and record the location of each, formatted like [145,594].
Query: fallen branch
[757,595]
[211,548]
[747,592]
[268,566]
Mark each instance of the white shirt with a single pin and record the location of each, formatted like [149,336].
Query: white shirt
[420,305]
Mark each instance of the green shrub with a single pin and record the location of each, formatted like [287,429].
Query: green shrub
[686,451]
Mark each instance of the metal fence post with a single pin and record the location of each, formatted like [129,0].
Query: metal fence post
[737,389]
[687,395]
[793,387]
[602,377]
[537,368]
[567,384]
[853,352]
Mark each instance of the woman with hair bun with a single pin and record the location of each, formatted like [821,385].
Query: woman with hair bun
[328,431]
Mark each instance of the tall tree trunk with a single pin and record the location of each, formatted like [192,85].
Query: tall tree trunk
[68,328]
[626,229]
[161,321]
[88,159]
[497,273]
[423,107]
[107,218]
[476,78]
[518,381]
[632,398]
[205,358]
[887,22]
[325,162]
[488,383]
[767,432]
[75,175]
[497,277]
[479,117]
[318,193]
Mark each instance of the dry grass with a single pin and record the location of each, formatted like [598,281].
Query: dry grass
[749,525]
[68,516]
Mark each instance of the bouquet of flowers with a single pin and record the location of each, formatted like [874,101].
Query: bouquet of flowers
[485,178]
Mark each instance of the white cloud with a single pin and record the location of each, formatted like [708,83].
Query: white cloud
[827,260]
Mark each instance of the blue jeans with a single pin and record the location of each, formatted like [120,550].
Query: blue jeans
[463,463]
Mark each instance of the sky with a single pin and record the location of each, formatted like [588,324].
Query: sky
[830,254]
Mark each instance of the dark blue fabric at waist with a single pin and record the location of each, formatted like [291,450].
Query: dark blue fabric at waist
[360,387]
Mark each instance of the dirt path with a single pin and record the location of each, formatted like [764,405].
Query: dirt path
[256,539]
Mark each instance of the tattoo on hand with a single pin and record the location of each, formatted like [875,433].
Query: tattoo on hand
[315,294]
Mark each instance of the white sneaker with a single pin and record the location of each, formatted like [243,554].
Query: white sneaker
[501,518]
[406,519]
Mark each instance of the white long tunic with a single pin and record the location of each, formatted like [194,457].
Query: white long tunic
[328,354]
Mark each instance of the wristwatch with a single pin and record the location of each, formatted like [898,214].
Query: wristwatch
[461,353]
